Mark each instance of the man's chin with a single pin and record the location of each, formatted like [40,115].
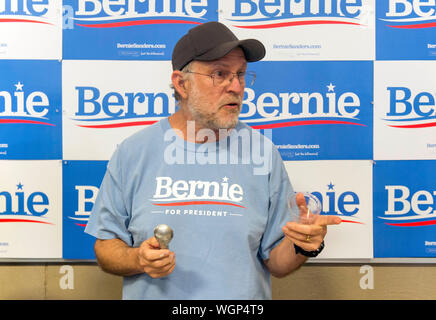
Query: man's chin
[228,125]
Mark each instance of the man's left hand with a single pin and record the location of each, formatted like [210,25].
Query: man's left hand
[308,236]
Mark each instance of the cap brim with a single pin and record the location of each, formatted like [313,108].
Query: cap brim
[253,49]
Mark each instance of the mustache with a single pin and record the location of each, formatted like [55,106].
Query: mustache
[232,100]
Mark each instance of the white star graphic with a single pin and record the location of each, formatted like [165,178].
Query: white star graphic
[19,86]
[331,87]
[225,179]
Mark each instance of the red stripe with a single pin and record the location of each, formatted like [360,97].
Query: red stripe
[24,220]
[188,203]
[302,123]
[295,23]
[25,121]
[118,125]
[349,221]
[80,224]
[422,125]
[416,26]
[413,224]
[134,23]
[24,20]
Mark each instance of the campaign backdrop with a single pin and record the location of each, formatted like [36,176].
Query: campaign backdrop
[346,92]
[30,109]
[30,206]
[405,30]
[317,110]
[81,182]
[404,209]
[405,111]
[344,189]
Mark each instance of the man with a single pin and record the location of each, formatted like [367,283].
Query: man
[189,171]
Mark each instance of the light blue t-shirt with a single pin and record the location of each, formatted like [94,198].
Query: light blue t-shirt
[226,202]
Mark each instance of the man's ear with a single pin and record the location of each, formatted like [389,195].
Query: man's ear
[179,83]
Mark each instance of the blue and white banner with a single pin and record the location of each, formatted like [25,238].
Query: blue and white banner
[130,30]
[30,29]
[343,83]
[344,189]
[81,183]
[316,110]
[404,209]
[30,110]
[405,30]
[106,101]
[30,209]
[404,110]
[305,30]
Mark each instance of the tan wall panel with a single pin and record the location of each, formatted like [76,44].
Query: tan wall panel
[312,281]
[84,282]
[19,282]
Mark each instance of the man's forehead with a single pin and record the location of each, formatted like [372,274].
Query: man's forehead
[236,56]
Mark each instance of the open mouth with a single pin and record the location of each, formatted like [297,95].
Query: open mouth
[232,105]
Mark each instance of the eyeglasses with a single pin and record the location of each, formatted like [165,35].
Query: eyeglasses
[221,77]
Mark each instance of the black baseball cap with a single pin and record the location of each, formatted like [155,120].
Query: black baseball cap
[210,41]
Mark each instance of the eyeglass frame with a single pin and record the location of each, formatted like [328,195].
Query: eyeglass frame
[237,74]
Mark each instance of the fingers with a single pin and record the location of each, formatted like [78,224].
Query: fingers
[328,220]
[300,200]
[155,262]
[300,237]
[320,219]
[308,237]
[301,203]
[161,268]
[310,229]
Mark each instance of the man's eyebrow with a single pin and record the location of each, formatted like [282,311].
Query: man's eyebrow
[226,65]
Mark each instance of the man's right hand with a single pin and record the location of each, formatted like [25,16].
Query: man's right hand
[156,262]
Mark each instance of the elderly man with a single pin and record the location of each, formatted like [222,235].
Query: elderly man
[232,227]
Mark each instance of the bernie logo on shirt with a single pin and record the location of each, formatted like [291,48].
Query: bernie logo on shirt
[181,193]
[250,14]
[24,207]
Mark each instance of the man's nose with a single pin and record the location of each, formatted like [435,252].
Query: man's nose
[235,85]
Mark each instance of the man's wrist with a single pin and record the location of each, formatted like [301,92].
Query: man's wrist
[310,254]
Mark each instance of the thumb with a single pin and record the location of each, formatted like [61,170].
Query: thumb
[153,243]
[325,220]
[300,200]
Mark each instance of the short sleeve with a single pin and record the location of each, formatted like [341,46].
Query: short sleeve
[109,217]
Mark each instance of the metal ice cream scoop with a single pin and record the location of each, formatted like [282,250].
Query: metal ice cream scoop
[163,234]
